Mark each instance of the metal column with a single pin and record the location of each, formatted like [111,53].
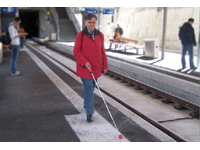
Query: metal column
[1,52]
[164,31]
[98,17]
[83,19]
[198,53]
[0,21]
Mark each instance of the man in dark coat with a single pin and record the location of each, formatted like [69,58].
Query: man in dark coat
[187,37]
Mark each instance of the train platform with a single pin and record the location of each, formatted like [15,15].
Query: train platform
[172,60]
[45,104]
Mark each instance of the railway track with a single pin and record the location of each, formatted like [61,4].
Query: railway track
[147,89]
[180,103]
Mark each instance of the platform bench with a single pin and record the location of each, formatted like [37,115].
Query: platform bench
[126,43]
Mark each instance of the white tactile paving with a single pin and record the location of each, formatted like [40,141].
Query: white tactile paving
[97,131]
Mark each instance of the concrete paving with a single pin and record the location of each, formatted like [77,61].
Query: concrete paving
[32,109]
[184,127]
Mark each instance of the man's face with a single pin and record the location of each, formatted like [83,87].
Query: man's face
[191,22]
[17,23]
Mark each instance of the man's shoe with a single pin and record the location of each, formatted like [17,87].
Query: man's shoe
[194,68]
[183,68]
[16,73]
[89,118]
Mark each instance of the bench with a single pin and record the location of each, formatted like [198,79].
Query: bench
[126,43]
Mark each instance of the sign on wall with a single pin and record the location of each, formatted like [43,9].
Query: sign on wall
[9,9]
[93,11]
[108,11]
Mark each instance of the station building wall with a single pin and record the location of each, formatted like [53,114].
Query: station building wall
[144,22]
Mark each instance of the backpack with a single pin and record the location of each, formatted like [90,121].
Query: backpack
[7,39]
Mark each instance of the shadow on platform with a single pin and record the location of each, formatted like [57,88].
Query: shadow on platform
[120,52]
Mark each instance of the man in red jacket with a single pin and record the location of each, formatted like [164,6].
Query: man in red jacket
[90,56]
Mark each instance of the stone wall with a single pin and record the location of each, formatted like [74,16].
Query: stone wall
[147,22]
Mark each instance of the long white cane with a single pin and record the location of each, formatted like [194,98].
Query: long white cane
[120,136]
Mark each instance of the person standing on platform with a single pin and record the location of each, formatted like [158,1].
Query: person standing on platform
[90,56]
[15,45]
[187,37]
[118,31]
[22,36]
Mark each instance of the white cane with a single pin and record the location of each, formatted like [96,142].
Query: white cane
[120,136]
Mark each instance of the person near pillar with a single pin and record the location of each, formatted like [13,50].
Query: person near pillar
[187,37]
[15,45]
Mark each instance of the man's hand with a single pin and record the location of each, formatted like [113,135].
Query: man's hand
[88,66]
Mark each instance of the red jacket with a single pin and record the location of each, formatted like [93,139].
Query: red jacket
[88,49]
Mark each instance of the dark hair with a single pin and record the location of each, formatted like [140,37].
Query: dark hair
[190,20]
[90,16]
[17,19]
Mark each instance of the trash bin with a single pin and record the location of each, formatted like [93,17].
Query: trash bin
[151,48]
[1,52]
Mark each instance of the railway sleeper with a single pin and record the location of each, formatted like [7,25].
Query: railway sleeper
[132,83]
[156,96]
[179,107]
[117,78]
[129,84]
[195,114]
[184,106]
[167,101]
[138,87]
[124,81]
[145,91]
